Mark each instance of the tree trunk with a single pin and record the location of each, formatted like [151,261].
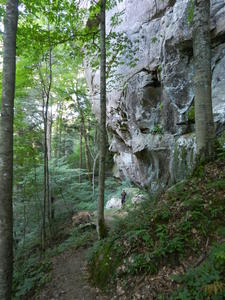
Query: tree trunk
[81,150]
[205,133]
[46,90]
[93,175]
[49,134]
[84,132]
[86,152]
[49,149]
[45,182]
[101,228]
[60,134]
[6,149]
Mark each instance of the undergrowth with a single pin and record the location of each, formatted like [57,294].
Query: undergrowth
[32,267]
[177,242]
[29,275]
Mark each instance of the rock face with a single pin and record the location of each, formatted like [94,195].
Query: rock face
[114,203]
[150,114]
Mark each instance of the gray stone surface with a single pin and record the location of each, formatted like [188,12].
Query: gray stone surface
[147,112]
[114,202]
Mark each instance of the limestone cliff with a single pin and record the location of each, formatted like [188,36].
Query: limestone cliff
[150,116]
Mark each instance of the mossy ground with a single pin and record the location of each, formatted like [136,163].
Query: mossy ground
[172,247]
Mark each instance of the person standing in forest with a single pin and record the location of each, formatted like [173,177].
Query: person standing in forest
[123,197]
[6,149]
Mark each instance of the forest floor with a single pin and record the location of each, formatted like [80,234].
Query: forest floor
[69,278]
[171,247]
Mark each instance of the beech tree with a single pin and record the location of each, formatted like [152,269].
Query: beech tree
[202,80]
[6,149]
[102,134]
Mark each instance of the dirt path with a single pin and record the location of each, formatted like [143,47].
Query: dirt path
[69,278]
[69,274]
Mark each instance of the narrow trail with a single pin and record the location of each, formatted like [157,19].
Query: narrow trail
[69,278]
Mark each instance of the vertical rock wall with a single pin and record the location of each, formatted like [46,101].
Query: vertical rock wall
[150,114]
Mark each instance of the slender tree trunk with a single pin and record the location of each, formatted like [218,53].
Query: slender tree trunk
[24,223]
[205,133]
[6,149]
[81,150]
[56,135]
[101,228]
[84,133]
[45,184]
[46,89]
[39,203]
[60,134]
[49,148]
[93,175]
[88,165]
[48,135]
[89,137]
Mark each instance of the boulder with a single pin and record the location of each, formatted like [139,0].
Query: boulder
[82,217]
[114,203]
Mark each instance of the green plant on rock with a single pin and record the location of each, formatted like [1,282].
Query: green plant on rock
[159,68]
[161,106]
[190,11]
[154,39]
[157,129]
[191,114]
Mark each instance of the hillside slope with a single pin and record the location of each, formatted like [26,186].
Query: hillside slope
[172,247]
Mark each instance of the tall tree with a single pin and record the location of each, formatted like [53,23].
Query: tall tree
[202,80]
[6,149]
[84,134]
[101,228]
[46,84]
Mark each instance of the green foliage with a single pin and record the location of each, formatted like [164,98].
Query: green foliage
[159,234]
[159,68]
[149,234]
[102,264]
[191,114]
[29,275]
[161,106]
[31,268]
[190,11]
[140,262]
[205,281]
[199,171]
[158,129]
[217,185]
[77,238]
[154,39]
